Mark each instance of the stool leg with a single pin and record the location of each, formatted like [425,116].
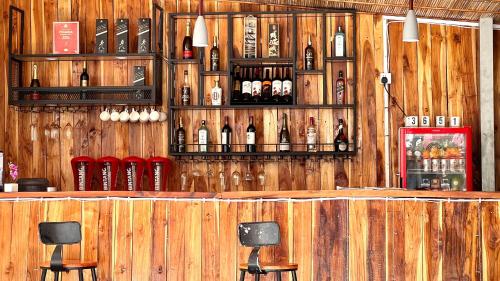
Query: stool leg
[278,275]
[257,277]
[44,274]
[56,275]
[242,275]
[94,274]
[294,275]
[80,274]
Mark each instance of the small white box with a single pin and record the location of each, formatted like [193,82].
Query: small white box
[411,121]
[455,121]
[440,121]
[425,121]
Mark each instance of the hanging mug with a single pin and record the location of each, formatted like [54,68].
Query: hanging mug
[163,116]
[134,116]
[124,116]
[115,116]
[144,116]
[154,115]
[105,115]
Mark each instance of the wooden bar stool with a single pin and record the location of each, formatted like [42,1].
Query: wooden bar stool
[256,235]
[59,234]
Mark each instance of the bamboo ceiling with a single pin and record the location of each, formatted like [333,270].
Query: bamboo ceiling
[470,10]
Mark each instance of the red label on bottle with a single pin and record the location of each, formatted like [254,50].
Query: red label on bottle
[187,54]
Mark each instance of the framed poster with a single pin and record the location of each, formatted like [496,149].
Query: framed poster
[66,37]
[250,39]
[274,40]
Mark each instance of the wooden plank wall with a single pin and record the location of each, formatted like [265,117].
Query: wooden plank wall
[330,239]
[436,76]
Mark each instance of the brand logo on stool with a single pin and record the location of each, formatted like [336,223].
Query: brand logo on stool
[157,174]
[131,176]
[82,169]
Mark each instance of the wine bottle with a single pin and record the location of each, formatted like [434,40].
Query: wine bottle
[339,43]
[251,146]
[236,93]
[214,56]
[341,142]
[216,94]
[226,136]
[267,87]
[284,135]
[309,55]
[287,88]
[180,137]
[203,137]
[277,86]
[186,90]
[35,83]
[256,86]
[340,89]
[187,43]
[246,87]
[311,136]
[84,81]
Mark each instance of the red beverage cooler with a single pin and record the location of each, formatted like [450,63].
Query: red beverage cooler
[158,169]
[133,169]
[108,172]
[83,169]
[436,158]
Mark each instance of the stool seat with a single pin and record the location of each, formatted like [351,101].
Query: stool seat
[73,264]
[273,266]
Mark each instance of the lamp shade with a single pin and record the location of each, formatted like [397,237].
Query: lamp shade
[410,31]
[200,34]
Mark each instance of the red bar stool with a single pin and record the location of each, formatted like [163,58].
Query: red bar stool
[256,235]
[59,234]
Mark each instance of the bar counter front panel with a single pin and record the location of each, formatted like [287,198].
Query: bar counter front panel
[336,235]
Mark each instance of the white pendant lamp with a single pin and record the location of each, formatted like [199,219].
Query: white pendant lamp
[200,34]
[410,30]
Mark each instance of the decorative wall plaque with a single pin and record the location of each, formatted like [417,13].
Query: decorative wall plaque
[250,39]
[274,40]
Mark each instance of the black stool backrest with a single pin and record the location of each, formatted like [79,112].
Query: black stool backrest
[58,233]
[257,234]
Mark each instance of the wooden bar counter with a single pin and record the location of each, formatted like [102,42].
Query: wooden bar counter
[332,235]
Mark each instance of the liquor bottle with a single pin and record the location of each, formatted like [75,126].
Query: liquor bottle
[246,86]
[186,90]
[256,86]
[216,95]
[284,136]
[287,88]
[180,137]
[339,43]
[311,136]
[35,83]
[187,43]
[277,86]
[214,56]
[341,142]
[267,87]
[203,137]
[84,81]
[236,93]
[226,136]
[251,147]
[340,89]
[309,55]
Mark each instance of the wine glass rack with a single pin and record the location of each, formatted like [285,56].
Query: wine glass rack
[95,95]
[232,59]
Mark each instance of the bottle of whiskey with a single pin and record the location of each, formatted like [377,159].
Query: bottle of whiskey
[340,89]
[35,83]
[216,94]
[84,81]
[186,90]
[256,86]
[214,56]
[267,86]
[187,43]
[277,86]
[311,136]
[236,92]
[341,142]
[284,135]
[251,146]
[203,137]
[287,88]
[180,137]
[339,43]
[246,85]
[309,55]
[226,136]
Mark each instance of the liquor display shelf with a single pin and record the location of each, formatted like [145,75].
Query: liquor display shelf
[215,73]
[267,106]
[36,95]
[341,59]
[246,61]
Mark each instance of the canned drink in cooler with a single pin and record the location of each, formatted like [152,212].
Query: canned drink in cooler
[461,164]
[427,165]
[453,164]
[435,165]
[445,165]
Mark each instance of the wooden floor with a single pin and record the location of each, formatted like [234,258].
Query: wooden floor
[335,239]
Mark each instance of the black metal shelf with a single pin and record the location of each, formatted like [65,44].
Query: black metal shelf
[184,61]
[215,73]
[266,106]
[82,57]
[264,153]
[310,72]
[247,61]
[340,59]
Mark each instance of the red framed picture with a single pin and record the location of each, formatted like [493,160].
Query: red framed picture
[66,37]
